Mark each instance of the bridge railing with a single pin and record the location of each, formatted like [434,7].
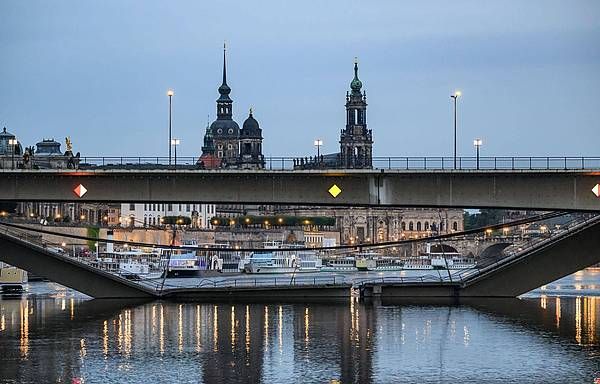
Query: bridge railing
[278,163]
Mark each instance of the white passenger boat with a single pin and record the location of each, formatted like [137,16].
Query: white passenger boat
[340,264]
[12,279]
[274,260]
[181,263]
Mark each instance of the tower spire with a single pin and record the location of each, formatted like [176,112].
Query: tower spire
[224,63]
[224,89]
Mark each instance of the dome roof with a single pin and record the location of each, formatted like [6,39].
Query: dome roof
[4,133]
[355,84]
[251,127]
[224,127]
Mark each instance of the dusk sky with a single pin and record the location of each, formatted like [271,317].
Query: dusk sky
[98,71]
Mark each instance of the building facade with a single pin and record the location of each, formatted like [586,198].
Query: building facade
[374,224]
[150,215]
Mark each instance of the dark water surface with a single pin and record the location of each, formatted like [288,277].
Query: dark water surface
[551,335]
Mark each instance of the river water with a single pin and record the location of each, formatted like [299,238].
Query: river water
[551,335]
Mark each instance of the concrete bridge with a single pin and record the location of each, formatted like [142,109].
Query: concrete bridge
[549,189]
[536,264]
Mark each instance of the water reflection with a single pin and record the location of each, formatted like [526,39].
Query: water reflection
[345,342]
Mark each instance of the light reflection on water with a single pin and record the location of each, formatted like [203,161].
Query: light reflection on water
[536,339]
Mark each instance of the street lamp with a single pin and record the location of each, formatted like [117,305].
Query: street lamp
[455,97]
[170,93]
[318,144]
[13,143]
[175,143]
[477,143]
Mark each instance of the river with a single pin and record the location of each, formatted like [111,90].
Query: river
[551,335]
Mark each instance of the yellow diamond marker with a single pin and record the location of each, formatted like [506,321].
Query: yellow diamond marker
[334,190]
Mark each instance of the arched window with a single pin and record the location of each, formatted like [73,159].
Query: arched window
[427,225]
[404,226]
[145,220]
[418,225]
[455,226]
[441,225]
[410,226]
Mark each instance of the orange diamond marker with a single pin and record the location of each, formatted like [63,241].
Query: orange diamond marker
[80,190]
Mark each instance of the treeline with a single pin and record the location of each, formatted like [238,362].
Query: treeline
[484,218]
[273,221]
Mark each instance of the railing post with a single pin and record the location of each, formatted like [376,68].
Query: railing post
[282,164]
[547,163]
[582,163]
[424,162]
[389,163]
[565,162]
[495,163]
[530,163]
[407,163]
[513,163]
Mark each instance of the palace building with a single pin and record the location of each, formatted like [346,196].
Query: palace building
[225,144]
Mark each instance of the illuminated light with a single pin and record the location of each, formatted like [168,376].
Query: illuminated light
[596,190]
[105,218]
[2,213]
[247,220]
[280,220]
[80,190]
[231,222]
[488,231]
[32,215]
[82,217]
[457,94]
[334,190]
[266,222]
[170,92]
[63,244]
[57,216]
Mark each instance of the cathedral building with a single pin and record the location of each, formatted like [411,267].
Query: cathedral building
[356,141]
[225,144]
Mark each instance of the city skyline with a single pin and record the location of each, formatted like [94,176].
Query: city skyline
[523,87]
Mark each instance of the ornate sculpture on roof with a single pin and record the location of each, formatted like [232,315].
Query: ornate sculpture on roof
[68,144]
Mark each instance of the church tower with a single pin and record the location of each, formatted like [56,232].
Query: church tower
[251,156]
[225,131]
[356,141]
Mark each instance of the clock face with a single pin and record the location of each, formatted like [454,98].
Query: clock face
[357,130]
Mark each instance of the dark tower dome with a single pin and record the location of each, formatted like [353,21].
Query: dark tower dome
[251,129]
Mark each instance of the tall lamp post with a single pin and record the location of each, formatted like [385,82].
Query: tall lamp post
[455,97]
[477,143]
[318,144]
[175,143]
[13,144]
[170,93]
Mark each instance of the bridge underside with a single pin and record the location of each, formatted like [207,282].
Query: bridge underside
[550,190]
[542,266]
[61,269]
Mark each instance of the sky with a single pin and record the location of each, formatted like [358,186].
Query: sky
[98,71]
